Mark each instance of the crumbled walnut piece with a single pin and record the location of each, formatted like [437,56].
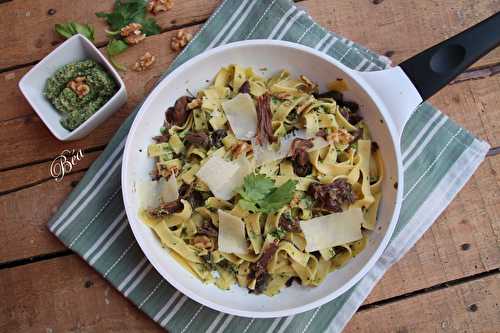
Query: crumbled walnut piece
[132,33]
[282,95]
[340,136]
[180,40]
[79,86]
[156,6]
[240,148]
[309,86]
[195,103]
[203,242]
[144,62]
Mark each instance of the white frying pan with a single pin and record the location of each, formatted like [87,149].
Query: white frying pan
[386,98]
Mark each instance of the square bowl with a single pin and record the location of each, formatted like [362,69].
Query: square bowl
[32,84]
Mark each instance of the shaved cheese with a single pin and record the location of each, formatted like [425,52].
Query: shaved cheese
[224,178]
[216,173]
[152,193]
[242,116]
[148,194]
[265,153]
[168,189]
[231,234]
[333,229]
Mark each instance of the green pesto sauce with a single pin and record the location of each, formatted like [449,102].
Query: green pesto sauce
[75,110]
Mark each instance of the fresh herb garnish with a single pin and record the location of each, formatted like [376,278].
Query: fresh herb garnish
[278,233]
[115,47]
[131,11]
[69,29]
[260,195]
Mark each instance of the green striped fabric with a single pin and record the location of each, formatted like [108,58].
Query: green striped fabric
[439,157]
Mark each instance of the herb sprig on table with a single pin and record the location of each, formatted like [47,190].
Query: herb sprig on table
[259,194]
[69,29]
[126,12]
[123,14]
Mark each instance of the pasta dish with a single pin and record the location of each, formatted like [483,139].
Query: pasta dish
[261,182]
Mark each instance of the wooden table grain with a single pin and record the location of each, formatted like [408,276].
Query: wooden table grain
[449,281]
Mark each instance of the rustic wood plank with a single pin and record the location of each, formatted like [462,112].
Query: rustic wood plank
[65,295]
[403,28]
[431,22]
[30,175]
[24,218]
[463,242]
[467,307]
[27,25]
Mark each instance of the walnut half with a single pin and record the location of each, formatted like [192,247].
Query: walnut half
[156,6]
[180,40]
[144,62]
[132,33]
[79,86]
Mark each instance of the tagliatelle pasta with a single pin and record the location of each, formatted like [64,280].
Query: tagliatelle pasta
[262,181]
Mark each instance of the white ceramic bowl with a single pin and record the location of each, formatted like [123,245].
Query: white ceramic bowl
[32,84]
[386,100]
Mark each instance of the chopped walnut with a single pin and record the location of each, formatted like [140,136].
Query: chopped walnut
[79,87]
[309,86]
[282,95]
[340,136]
[194,104]
[180,40]
[132,33]
[156,6]
[203,242]
[165,171]
[144,62]
[240,148]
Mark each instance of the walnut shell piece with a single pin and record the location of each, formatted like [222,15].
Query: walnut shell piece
[180,40]
[144,62]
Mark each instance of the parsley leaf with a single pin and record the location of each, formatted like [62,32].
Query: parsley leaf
[115,47]
[260,194]
[131,11]
[69,29]
[256,187]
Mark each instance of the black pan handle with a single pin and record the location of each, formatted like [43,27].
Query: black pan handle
[432,69]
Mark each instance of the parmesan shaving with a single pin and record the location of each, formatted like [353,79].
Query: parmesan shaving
[332,230]
[242,116]
[168,189]
[222,177]
[231,234]
[152,193]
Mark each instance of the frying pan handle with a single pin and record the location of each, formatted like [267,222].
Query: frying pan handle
[434,68]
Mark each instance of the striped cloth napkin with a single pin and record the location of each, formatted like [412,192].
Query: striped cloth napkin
[439,157]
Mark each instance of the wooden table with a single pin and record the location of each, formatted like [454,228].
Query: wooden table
[450,281]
